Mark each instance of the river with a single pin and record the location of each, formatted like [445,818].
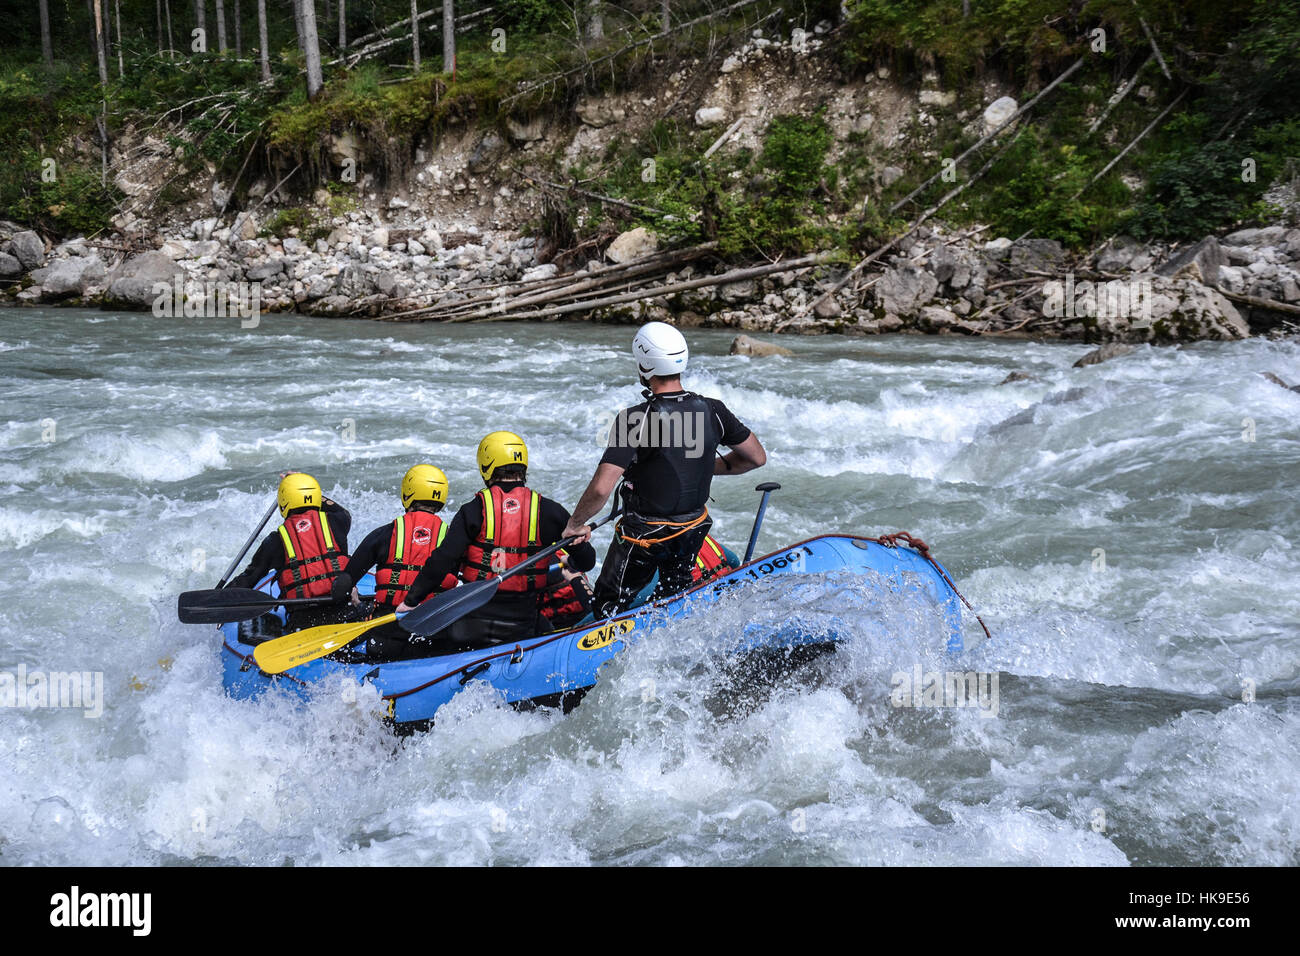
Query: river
[1127,530]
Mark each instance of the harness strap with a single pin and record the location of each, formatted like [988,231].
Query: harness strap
[681,526]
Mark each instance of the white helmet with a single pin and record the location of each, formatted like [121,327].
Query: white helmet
[659,349]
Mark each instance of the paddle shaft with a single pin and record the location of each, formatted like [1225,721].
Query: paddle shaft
[248,544]
[767,488]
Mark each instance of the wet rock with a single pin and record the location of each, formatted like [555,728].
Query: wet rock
[744,345]
[1275,379]
[9,266]
[1104,354]
[1016,377]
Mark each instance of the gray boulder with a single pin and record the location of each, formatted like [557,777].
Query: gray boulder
[132,282]
[1201,262]
[9,266]
[264,271]
[1036,255]
[69,277]
[28,248]
[904,289]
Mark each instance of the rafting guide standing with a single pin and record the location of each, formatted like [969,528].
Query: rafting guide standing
[664,452]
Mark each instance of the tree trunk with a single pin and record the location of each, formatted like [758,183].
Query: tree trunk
[665,16]
[261,41]
[448,37]
[100,53]
[239,31]
[167,11]
[595,21]
[297,26]
[47,48]
[201,20]
[311,48]
[415,35]
[117,13]
[221,26]
[343,25]
[157,10]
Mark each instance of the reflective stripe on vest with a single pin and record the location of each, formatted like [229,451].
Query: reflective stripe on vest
[311,557]
[710,561]
[506,539]
[393,578]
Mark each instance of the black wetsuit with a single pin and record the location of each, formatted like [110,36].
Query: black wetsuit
[510,615]
[666,446]
[270,556]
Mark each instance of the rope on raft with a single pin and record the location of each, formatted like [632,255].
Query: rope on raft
[921,548]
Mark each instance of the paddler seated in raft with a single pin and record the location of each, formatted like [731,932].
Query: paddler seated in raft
[495,530]
[566,599]
[399,549]
[663,451]
[308,549]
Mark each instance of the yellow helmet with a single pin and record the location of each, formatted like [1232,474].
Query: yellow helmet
[424,483]
[298,490]
[500,448]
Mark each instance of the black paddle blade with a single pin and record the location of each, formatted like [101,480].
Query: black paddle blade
[450,606]
[217,605]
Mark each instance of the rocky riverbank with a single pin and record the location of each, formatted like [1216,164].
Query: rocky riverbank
[938,282]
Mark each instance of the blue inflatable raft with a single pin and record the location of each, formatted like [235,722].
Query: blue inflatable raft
[557,669]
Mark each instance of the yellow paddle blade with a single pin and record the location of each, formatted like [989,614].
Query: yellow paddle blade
[282,653]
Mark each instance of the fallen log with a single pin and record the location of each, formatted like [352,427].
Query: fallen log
[653,292]
[1259,303]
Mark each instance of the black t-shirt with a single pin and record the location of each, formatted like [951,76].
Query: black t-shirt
[464,530]
[666,446]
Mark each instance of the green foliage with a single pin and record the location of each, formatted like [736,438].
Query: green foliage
[75,203]
[533,16]
[1196,187]
[296,221]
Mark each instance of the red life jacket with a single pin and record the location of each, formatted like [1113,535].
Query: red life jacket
[509,535]
[311,559]
[559,602]
[415,535]
[711,562]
